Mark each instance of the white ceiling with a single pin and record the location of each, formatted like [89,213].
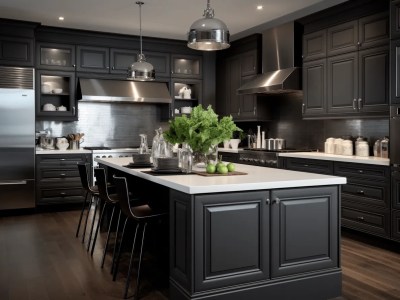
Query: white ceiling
[160,18]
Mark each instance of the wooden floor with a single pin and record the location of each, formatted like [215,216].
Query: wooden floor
[40,258]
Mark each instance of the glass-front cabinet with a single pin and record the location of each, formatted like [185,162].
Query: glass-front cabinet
[55,56]
[55,95]
[186,66]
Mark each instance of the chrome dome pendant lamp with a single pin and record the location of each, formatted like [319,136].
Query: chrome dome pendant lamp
[208,33]
[141,70]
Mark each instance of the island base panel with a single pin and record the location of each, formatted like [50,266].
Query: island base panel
[320,287]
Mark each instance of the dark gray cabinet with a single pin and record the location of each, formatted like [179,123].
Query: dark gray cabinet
[396,189]
[57,178]
[121,59]
[186,66]
[396,225]
[315,88]
[395,71]
[248,61]
[356,69]
[16,51]
[395,19]
[161,63]
[93,59]
[308,165]
[53,56]
[304,224]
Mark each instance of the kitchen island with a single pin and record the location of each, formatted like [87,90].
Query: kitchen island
[270,234]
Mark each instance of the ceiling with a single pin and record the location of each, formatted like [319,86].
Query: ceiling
[160,18]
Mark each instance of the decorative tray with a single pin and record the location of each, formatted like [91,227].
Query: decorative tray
[138,165]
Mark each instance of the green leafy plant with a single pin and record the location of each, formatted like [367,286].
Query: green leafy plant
[201,130]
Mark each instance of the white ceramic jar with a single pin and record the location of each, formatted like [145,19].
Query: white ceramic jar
[338,146]
[347,147]
[362,149]
[330,145]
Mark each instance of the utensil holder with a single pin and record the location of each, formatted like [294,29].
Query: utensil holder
[74,145]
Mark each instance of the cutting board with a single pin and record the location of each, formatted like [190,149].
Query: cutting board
[204,173]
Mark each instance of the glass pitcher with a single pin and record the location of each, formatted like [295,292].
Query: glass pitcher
[163,149]
[185,156]
[154,145]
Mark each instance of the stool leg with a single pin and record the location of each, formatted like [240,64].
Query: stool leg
[82,211]
[96,204]
[119,251]
[87,217]
[115,242]
[97,227]
[130,263]
[108,237]
[140,263]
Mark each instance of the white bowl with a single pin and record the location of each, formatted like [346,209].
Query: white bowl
[186,109]
[46,88]
[57,91]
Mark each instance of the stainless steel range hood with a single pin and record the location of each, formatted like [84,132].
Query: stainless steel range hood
[281,61]
[110,90]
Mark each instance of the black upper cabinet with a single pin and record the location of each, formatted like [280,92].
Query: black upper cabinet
[186,66]
[16,51]
[395,19]
[374,31]
[121,59]
[314,45]
[342,38]
[160,62]
[55,56]
[395,71]
[248,63]
[93,59]
[314,85]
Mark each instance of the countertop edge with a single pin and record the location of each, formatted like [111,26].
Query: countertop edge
[83,151]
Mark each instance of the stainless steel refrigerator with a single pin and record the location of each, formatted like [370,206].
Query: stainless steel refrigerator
[17,138]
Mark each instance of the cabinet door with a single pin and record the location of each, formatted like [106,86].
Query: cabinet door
[16,51]
[396,189]
[373,77]
[395,19]
[232,239]
[314,88]
[121,60]
[55,56]
[186,66]
[396,224]
[233,83]
[93,59]
[395,71]
[314,45]
[248,103]
[374,30]
[343,83]
[304,230]
[160,62]
[343,38]
[249,63]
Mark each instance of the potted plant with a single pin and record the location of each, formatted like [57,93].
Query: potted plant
[201,130]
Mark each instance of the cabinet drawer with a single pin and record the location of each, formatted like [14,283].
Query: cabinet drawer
[60,183]
[362,171]
[373,222]
[53,196]
[58,173]
[377,195]
[52,161]
[310,165]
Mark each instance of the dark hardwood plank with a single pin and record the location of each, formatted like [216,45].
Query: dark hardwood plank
[40,258]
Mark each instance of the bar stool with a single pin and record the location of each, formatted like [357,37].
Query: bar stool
[94,195]
[142,215]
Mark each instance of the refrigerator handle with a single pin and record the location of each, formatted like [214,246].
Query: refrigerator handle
[12,182]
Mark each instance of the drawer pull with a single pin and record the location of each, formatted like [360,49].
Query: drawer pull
[62,159]
[276,201]
[63,194]
[305,165]
[360,171]
[267,201]
[360,218]
[361,192]
[63,175]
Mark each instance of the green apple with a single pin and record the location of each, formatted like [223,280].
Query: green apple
[220,164]
[222,169]
[211,168]
[231,167]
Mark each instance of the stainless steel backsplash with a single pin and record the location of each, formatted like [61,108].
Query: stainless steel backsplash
[110,124]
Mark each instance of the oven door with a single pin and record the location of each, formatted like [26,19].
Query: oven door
[394,135]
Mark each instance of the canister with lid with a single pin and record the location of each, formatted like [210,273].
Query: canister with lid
[362,148]
[385,147]
[347,147]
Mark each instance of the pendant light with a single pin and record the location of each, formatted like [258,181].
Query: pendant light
[141,70]
[208,33]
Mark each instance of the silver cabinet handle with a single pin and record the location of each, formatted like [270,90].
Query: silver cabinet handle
[12,182]
[361,192]
[62,175]
[267,201]
[113,68]
[303,108]
[239,112]
[359,103]
[360,218]
[254,110]
[354,104]
[63,194]
[276,201]
[73,110]
[74,65]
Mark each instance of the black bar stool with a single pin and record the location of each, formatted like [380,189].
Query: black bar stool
[142,215]
[94,196]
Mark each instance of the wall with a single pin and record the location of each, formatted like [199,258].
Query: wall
[112,125]
[287,123]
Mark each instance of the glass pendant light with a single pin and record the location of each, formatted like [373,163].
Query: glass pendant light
[141,70]
[208,33]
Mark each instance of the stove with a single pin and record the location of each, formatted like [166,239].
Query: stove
[107,152]
[264,157]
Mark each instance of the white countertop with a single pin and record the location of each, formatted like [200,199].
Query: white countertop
[80,151]
[334,157]
[258,178]
[230,150]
